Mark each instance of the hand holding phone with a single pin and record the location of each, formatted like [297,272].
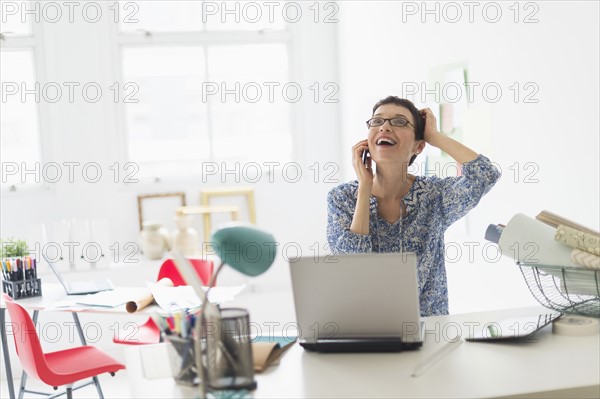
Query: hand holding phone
[365,157]
[363,164]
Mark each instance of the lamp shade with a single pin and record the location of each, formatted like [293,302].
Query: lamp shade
[246,248]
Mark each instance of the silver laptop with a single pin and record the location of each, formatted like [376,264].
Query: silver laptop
[80,287]
[358,302]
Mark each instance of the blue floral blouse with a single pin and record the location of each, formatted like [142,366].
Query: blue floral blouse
[432,205]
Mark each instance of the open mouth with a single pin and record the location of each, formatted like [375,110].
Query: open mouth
[385,141]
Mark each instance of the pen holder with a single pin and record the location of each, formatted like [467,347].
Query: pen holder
[20,277]
[22,288]
[226,353]
[228,360]
[187,373]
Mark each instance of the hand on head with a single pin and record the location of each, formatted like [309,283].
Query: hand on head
[430,124]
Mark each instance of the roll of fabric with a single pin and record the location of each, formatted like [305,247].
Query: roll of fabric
[585,259]
[578,239]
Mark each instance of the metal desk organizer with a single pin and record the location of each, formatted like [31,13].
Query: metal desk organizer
[187,373]
[565,289]
[225,351]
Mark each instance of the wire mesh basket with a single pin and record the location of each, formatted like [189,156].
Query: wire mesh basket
[565,289]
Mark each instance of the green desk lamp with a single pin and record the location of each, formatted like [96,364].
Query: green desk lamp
[247,249]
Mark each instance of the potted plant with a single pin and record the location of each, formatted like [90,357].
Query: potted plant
[12,248]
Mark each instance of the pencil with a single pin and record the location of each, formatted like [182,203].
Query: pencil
[423,366]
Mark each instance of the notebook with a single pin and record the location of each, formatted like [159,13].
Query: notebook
[80,287]
[357,302]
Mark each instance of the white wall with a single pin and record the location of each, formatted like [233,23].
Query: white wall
[381,47]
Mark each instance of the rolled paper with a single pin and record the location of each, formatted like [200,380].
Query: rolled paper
[578,239]
[532,242]
[585,259]
[146,299]
[554,220]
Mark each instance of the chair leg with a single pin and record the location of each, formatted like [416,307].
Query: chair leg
[97,382]
[24,374]
[69,392]
[7,365]
[22,386]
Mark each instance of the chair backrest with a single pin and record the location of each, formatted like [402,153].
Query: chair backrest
[27,341]
[204,268]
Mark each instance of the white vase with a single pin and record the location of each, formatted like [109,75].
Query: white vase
[153,241]
[167,236]
[185,238]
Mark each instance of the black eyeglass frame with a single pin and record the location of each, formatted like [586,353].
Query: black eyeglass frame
[390,121]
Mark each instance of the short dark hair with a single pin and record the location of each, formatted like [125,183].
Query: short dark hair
[419,123]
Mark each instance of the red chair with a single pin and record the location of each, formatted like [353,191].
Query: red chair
[63,367]
[149,333]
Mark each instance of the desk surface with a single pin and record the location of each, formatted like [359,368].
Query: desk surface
[549,365]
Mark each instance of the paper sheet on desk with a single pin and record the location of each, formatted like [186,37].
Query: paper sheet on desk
[184,296]
[110,299]
[70,304]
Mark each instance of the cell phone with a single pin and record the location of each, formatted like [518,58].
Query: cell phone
[365,155]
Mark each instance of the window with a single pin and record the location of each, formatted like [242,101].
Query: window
[211,85]
[19,124]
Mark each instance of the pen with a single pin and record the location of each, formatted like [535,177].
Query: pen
[437,356]
[184,325]
[5,271]
[177,323]
[162,325]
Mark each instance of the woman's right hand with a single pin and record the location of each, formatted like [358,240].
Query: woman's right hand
[364,173]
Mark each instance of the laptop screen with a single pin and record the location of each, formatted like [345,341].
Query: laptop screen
[356,295]
[56,272]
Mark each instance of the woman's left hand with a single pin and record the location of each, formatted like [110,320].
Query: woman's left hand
[431,132]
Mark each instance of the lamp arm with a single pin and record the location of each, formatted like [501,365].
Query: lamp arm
[214,315]
[214,276]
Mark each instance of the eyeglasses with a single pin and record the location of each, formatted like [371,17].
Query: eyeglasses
[398,122]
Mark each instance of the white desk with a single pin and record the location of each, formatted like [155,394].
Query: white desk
[554,366]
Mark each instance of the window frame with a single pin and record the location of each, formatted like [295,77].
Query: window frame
[33,43]
[201,38]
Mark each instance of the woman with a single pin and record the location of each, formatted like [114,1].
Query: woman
[392,210]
